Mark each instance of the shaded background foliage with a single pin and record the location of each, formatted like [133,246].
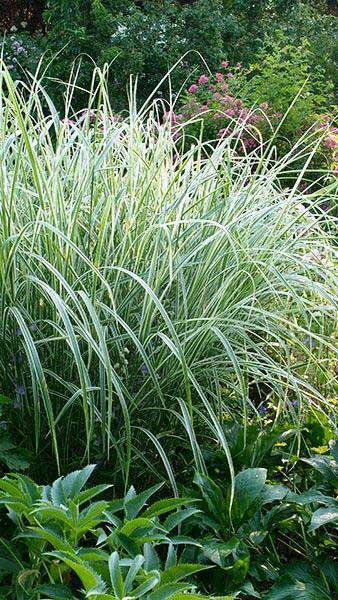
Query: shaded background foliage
[14,12]
[146,37]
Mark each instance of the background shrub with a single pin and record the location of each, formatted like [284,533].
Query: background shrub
[146,38]
[277,93]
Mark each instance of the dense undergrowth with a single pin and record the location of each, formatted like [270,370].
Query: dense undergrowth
[61,544]
[164,302]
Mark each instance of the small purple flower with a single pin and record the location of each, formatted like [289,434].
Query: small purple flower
[144,369]
[17,358]
[33,326]
[261,410]
[20,389]
[243,114]
[17,48]
[18,332]
[249,143]
[3,426]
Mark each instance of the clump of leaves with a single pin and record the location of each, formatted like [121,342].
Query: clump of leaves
[65,544]
[252,532]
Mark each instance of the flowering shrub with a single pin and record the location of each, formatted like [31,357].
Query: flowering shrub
[21,52]
[215,99]
[230,103]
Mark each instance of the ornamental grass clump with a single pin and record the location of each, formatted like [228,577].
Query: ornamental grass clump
[152,288]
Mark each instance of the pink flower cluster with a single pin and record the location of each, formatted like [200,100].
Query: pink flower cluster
[214,100]
[221,111]
[203,79]
[331,142]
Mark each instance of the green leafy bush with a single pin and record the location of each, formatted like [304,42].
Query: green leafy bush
[140,40]
[110,545]
[267,515]
[146,38]
[283,77]
[64,543]
[319,30]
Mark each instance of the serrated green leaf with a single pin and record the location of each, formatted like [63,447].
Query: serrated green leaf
[183,539]
[86,574]
[52,536]
[133,505]
[92,555]
[287,588]
[177,518]
[74,482]
[152,561]
[132,573]
[130,527]
[146,586]
[91,493]
[14,461]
